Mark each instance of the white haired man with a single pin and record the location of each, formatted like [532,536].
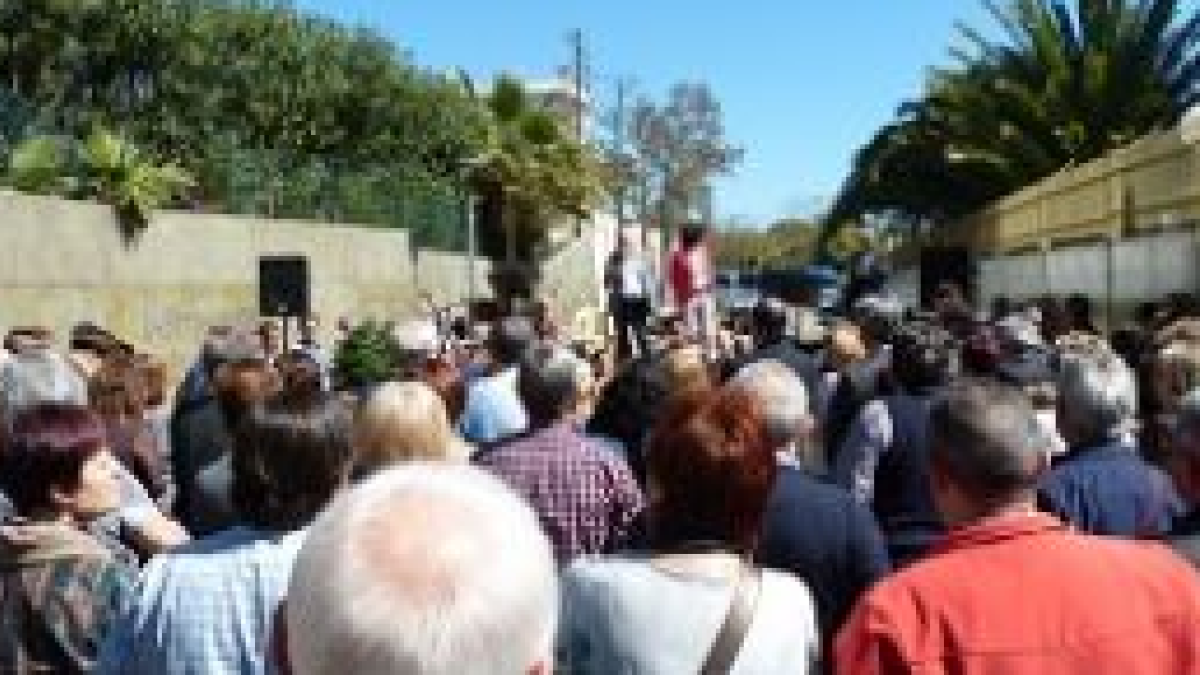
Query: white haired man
[811,528]
[423,570]
[1103,486]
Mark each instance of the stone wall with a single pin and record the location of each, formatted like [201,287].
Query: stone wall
[1146,186]
[1122,229]
[63,262]
[445,276]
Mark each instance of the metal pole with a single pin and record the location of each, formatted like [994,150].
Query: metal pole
[577,43]
[471,246]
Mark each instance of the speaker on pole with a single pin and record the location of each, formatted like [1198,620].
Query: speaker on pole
[283,286]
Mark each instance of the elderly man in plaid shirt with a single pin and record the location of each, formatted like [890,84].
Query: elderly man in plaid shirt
[585,496]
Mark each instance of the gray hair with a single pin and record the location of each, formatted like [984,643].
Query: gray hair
[1187,423]
[781,396]
[551,382]
[1097,391]
[39,375]
[986,436]
[426,570]
[416,342]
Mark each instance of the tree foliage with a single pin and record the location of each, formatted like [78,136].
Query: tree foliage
[678,147]
[1065,83]
[529,171]
[785,243]
[105,167]
[274,111]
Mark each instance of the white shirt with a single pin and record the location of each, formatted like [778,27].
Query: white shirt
[632,278]
[624,615]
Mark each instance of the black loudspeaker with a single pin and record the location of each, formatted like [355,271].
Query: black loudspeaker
[954,264]
[283,286]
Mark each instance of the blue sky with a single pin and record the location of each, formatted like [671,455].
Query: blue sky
[803,82]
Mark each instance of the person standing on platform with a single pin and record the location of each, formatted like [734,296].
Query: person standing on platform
[627,278]
[691,281]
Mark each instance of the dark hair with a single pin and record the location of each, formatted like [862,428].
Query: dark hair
[630,404]
[1002,307]
[548,382]
[300,374]
[770,319]
[119,388]
[712,468]
[47,447]
[986,439]
[93,340]
[982,351]
[922,356]
[509,339]
[290,455]
[691,235]
[1079,307]
[878,317]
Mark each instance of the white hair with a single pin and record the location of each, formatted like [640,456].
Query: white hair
[1187,423]
[782,397]
[1097,391]
[424,570]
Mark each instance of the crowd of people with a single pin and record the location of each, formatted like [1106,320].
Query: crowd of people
[1006,492]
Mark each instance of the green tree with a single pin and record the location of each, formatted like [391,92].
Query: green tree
[1065,83]
[529,171]
[273,110]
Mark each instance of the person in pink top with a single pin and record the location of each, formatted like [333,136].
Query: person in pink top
[691,281]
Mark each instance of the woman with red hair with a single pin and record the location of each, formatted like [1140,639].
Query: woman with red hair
[60,589]
[694,602]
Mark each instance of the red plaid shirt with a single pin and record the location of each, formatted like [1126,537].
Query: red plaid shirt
[586,498]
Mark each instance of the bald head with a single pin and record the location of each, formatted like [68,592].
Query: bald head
[426,570]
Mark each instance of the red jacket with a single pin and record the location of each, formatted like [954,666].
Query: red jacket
[1022,595]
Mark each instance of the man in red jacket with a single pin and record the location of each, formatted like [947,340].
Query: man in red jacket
[1010,591]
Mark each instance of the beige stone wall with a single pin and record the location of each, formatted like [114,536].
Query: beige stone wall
[1122,229]
[445,276]
[1148,185]
[62,262]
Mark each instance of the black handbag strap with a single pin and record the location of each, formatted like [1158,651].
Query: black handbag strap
[729,640]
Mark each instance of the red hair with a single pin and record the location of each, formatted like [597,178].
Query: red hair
[47,448]
[711,470]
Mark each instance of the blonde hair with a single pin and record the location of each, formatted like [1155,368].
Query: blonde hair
[686,370]
[404,422]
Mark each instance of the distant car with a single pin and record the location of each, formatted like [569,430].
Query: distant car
[792,284]
[736,293]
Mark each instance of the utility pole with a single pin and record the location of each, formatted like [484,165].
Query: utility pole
[580,72]
[580,98]
[620,125]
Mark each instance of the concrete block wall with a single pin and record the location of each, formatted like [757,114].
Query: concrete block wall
[63,262]
[445,276]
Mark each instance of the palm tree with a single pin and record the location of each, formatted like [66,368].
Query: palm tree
[1065,84]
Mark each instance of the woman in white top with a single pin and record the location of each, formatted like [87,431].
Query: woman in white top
[658,613]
